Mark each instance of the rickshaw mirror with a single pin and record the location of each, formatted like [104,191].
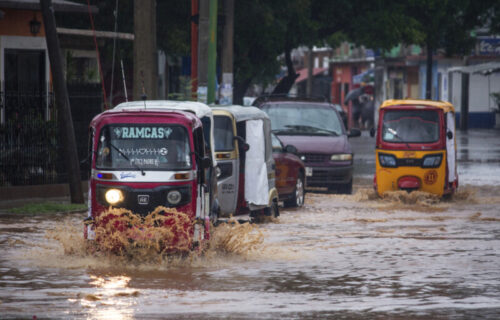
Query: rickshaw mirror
[206,162]
[372,132]
[449,134]
[243,146]
[354,132]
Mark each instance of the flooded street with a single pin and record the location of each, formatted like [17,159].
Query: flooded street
[341,256]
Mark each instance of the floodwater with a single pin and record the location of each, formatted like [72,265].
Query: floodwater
[340,257]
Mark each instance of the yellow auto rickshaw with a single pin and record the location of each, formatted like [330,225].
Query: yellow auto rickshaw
[416,147]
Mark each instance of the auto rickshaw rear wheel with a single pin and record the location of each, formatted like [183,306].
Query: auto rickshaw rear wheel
[264,215]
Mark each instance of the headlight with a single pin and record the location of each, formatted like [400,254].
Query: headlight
[387,160]
[303,158]
[341,157]
[113,196]
[174,197]
[432,161]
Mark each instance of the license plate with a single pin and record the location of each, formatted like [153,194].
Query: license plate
[143,199]
[309,172]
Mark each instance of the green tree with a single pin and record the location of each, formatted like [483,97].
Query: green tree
[446,24]
[279,26]
[255,49]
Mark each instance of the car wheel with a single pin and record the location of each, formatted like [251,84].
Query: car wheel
[299,194]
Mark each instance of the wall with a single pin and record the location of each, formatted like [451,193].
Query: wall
[17,23]
[481,105]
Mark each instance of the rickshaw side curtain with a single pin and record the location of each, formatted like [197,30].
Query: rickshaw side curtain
[256,184]
[450,147]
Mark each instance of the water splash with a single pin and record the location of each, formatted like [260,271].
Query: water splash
[164,230]
[144,247]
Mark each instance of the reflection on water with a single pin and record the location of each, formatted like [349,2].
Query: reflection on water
[107,301]
[341,256]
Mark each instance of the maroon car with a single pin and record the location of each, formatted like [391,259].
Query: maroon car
[290,174]
[317,131]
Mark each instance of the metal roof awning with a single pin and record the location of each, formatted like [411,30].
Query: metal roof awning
[485,68]
[59,5]
[98,34]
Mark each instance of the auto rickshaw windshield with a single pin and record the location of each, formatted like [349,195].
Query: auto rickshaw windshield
[415,126]
[150,146]
[223,134]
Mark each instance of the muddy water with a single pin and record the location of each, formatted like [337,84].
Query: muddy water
[351,257]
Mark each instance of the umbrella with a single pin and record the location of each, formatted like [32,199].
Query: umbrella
[353,94]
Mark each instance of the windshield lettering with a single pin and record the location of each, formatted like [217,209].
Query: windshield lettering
[142,132]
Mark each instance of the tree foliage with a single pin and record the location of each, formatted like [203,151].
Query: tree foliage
[268,29]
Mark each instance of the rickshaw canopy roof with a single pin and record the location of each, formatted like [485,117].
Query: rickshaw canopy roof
[444,105]
[200,109]
[241,113]
[112,116]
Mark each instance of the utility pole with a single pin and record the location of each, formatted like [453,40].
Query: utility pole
[428,73]
[212,51]
[464,103]
[194,46]
[226,92]
[65,121]
[203,34]
[145,53]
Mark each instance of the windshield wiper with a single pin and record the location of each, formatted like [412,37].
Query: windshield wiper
[312,129]
[395,134]
[126,158]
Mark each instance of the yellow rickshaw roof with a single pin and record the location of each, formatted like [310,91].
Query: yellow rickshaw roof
[446,106]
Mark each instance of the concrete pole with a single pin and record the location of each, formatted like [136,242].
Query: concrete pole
[145,53]
[464,107]
[194,46]
[212,52]
[226,92]
[428,73]
[65,121]
[203,34]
